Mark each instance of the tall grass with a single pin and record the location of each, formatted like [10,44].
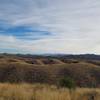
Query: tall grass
[45,92]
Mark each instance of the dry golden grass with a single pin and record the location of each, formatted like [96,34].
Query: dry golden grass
[45,92]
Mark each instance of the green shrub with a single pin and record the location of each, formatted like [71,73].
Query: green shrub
[67,82]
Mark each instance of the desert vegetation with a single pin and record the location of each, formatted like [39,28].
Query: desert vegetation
[26,77]
[45,92]
[67,82]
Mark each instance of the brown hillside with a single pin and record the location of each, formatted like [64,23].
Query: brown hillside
[17,69]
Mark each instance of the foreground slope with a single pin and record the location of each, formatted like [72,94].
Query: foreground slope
[45,92]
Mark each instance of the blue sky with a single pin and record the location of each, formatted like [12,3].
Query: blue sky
[50,26]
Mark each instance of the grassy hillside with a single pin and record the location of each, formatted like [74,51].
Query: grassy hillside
[19,69]
[45,92]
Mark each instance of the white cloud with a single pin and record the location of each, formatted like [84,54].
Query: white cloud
[73,23]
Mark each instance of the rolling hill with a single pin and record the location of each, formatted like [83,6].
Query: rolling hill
[49,69]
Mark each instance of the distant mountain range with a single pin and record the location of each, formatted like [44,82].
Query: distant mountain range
[66,56]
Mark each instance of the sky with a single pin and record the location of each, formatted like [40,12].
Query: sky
[50,26]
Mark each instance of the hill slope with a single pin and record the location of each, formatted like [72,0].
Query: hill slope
[50,70]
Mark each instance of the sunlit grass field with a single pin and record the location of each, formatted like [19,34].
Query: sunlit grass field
[45,92]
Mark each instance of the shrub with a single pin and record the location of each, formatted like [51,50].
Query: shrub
[67,82]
